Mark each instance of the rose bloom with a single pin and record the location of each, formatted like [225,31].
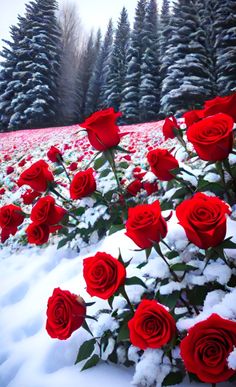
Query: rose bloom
[37,176]
[221,105]
[11,217]
[134,187]
[169,126]
[29,196]
[145,224]
[73,166]
[212,137]
[103,275]
[206,348]
[203,219]
[83,184]
[150,187]
[46,211]
[54,154]
[37,234]
[65,314]
[193,116]
[9,170]
[152,325]
[162,162]
[103,132]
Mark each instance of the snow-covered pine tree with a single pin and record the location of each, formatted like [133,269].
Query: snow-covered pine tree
[118,66]
[164,26]
[130,94]
[149,92]
[187,81]
[9,86]
[225,44]
[36,100]
[98,79]
[86,65]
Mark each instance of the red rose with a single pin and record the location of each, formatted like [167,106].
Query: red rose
[11,217]
[169,127]
[145,224]
[162,162]
[22,163]
[150,187]
[152,325]
[2,191]
[203,219]
[29,196]
[103,132]
[103,275]
[83,184]
[37,176]
[193,116]
[212,137]
[221,105]
[206,348]
[139,173]
[65,314]
[54,154]
[46,211]
[134,187]
[37,234]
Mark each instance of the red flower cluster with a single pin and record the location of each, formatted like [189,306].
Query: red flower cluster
[11,217]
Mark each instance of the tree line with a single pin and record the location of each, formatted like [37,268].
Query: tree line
[170,61]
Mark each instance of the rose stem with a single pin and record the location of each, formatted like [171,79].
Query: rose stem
[63,166]
[58,194]
[228,169]
[125,295]
[219,168]
[92,159]
[110,158]
[185,184]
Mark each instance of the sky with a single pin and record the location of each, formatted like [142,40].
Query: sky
[94,13]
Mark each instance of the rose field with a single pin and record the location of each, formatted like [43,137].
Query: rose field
[118,252]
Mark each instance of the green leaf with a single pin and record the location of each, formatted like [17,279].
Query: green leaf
[58,171]
[86,349]
[169,300]
[173,378]
[135,281]
[182,267]
[62,243]
[180,193]
[86,327]
[227,244]
[91,362]
[123,333]
[78,211]
[117,147]
[166,205]
[98,163]
[116,227]
[123,164]
[172,254]
[105,172]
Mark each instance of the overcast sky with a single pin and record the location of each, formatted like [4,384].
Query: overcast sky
[94,13]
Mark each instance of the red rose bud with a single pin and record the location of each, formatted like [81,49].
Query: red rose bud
[2,191]
[38,176]
[46,211]
[206,348]
[145,224]
[103,132]
[73,166]
[83,184]
[103,275]
[162,162]
[221,105]
[9,170]
[29,196]
[37,234]
[152,326]
[7,157]
[203,219]
[169,127]
[54,154]
[65,314]
[134,187]
[11,217]
[212,137]
[22,163]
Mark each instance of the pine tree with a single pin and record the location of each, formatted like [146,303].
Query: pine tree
[187,82]
[149,93]
[130,95]
[118,66]
[225,44]
[164,26]
[94,99]
[85,70]
[35,99]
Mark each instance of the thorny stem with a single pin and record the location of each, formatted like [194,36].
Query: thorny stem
[63,166]
[125,295]
[110,158]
